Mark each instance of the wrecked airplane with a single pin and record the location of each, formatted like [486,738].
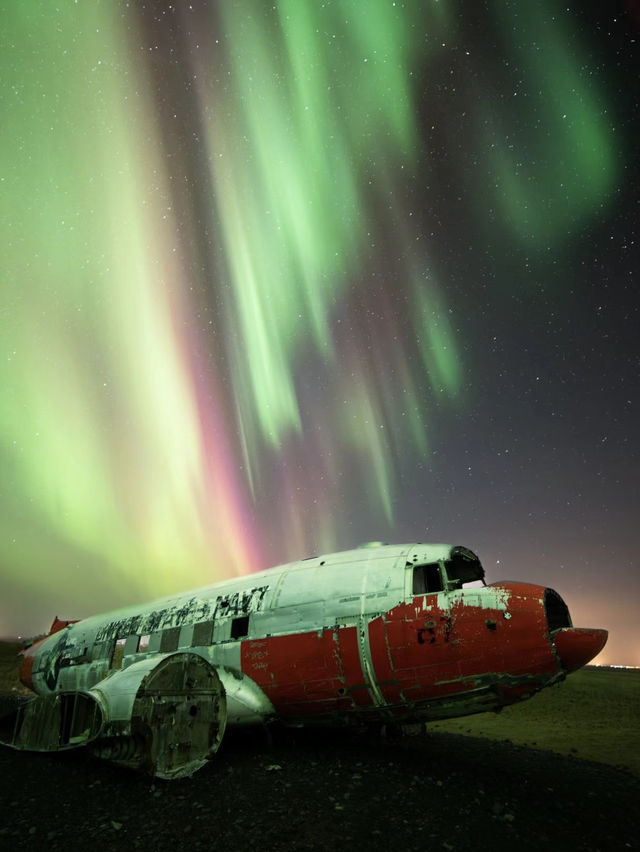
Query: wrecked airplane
[381,634]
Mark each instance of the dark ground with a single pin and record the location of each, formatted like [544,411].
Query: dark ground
[324,790]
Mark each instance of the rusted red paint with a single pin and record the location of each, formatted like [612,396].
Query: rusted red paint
[419,651]
[59,624]
[577,645]
[351,667]
[383,669]
[300,670]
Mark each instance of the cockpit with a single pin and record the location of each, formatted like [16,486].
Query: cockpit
[461,569]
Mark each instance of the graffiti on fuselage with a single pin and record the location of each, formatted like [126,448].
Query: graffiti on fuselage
[189,612]
[53,660]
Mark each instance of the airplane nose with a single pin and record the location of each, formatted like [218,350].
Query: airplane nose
[577,645]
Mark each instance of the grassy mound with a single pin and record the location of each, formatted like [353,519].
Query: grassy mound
[594,714]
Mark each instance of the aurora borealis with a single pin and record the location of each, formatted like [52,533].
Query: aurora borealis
[279,278]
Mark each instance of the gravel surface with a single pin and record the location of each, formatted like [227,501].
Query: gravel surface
[324,790]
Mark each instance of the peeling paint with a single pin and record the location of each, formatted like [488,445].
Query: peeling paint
[191,611]
[365,635]
[490,597]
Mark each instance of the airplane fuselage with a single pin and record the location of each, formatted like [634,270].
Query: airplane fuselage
[400,633]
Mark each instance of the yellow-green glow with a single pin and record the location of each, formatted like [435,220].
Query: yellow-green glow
[102,441]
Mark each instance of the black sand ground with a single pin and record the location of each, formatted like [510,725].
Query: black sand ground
[325,790]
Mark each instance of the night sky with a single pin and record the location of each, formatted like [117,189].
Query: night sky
[283,277]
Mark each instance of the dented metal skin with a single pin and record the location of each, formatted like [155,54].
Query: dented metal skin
[381,634]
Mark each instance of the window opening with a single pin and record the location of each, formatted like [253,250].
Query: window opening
[464,568]
[143,643]
[102,650]
[169,639]
[118,654]
[240,627]
[556,611]
[427,579]
[202,634]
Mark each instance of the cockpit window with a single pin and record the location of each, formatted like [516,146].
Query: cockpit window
[427,579]
[463,568]
[556,611]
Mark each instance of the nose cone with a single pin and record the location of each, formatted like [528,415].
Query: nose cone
[577,645]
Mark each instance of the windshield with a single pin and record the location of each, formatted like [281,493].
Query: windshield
[463,568]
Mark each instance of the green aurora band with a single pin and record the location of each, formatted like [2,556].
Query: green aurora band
[149,413]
